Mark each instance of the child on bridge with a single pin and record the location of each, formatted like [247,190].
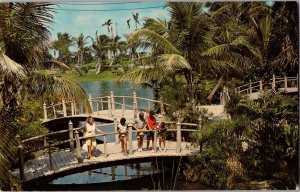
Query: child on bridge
[123,131]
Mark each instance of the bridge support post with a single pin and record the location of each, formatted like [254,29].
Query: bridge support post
[112,100]
[109,107]
[90,101]
[116,130]
[285,83]
[21,159]
[70,126]
[178,148]
[45,112]
[64,107]
[273,81]
[260,85]
[101,103]
[130,139]
[250,86]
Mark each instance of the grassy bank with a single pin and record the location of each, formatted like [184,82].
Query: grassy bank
[90,76]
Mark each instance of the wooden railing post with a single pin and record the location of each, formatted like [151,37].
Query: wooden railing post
[250,86]
[101,103]
[297,79]
[45,112]
[260,85]
[70,126]
[21,159]
[134,110]
[123,110]
[116,130]
[90,101]
[112,100]
[97,107]
[159,118]
[81,107]
[72,108]
[178,148]
[134,97]
[78,149]
[105,145]
[155,140]
[130,139]
[285,83]
[54,112]
[50,156]
[199,127]
[221,98]
[149,107]
[109,107]
[161,105]
[63,101]
[273,81]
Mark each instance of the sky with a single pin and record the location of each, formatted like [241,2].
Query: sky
[88,22]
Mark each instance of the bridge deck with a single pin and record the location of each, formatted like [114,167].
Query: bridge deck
[64,160]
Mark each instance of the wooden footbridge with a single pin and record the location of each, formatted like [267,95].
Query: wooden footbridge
[53,157]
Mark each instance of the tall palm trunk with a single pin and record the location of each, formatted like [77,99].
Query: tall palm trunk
[98,65]
[216,87]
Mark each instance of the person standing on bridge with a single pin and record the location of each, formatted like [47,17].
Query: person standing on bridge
[140,125]
[161,134]
[151,125]
[122,129]
[90,132]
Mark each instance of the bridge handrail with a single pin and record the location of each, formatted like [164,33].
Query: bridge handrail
[273,81]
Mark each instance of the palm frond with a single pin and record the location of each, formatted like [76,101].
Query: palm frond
[10,68]
[60,64]
[142,75]
[173,62]
[50,84]
[144,36]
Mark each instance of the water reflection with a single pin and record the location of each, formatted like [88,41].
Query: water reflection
[109,174]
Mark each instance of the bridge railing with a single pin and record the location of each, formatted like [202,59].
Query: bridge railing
[97,104]
[275,82]
[43,142]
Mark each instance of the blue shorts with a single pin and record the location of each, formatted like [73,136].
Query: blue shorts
[150,135]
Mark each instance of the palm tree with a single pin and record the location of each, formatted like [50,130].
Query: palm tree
[24,29]
[81,42]
[136,19]
[108,23]
[62,44]
[99,48]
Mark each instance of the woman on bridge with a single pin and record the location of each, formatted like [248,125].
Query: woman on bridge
[90,132]
[122,129]
[140,125]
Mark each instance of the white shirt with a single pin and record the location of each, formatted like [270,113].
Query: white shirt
[90,129]
[122,129]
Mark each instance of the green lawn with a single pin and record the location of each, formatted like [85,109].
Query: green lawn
[90,76]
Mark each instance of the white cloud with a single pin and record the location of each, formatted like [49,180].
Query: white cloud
[83,19]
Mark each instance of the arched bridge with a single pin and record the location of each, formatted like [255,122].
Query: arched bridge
[54,159]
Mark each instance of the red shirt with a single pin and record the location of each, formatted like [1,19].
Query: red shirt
[151,122]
